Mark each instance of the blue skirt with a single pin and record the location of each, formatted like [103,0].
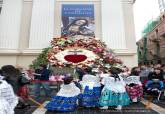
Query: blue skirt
[62,104]
[110,98]
[90,97]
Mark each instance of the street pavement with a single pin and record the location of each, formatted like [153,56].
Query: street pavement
[135,108]
[153,107]
[138,108]
[132,109]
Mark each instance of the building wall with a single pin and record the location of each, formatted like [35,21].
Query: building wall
[155,42]
[25,25]
[113,20]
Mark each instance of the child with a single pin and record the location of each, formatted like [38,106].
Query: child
[91,90]
[8,100]
[66,98]
[134,85]
[11,76]
[114,92]
[23,82]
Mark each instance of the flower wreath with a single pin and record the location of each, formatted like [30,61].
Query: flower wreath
[87,51]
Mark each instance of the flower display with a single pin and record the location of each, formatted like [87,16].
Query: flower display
[87,51]
[56,78]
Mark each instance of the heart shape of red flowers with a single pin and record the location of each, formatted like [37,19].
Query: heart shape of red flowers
[74,58]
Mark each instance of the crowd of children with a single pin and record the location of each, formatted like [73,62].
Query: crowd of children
[98,90]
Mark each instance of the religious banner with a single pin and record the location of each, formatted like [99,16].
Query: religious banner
[78,20]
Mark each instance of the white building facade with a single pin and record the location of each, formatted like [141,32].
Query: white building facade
[27,26]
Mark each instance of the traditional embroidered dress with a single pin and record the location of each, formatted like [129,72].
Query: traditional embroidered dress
[114,92]
[91,90]
[23,90]
[1,77]
[66,99]
[8,100]
[134,88]
[104,75]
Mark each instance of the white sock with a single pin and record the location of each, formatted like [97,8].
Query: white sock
[104,107]
[134,100]
[119,107]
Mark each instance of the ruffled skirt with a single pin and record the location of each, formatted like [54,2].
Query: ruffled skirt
[90,97]
[62,104]
[135,91]
[23,92]
[111,98]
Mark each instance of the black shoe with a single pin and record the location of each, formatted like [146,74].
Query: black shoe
[23,106]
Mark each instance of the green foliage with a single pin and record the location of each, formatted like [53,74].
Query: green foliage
[150,26]
[145,50]
[41,59]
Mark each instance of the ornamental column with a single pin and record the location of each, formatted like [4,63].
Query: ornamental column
[10,21]
[42,24]
[113,32]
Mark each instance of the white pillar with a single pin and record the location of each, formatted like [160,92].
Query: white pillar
[113,24]
[10,21]
[42,24]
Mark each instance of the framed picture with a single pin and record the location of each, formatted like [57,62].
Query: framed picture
[78,19]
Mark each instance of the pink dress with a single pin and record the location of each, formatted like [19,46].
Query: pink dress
[134,87]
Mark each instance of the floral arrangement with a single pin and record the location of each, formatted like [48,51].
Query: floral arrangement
[87,51]
[56,78]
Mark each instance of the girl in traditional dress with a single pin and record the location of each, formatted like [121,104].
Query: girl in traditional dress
[23,81]
[8,100]
[134,85]
[91,89]
[11,76]
[103,74]
[114,92]
[66,99]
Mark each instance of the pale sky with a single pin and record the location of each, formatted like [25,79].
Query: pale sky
[144,10]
